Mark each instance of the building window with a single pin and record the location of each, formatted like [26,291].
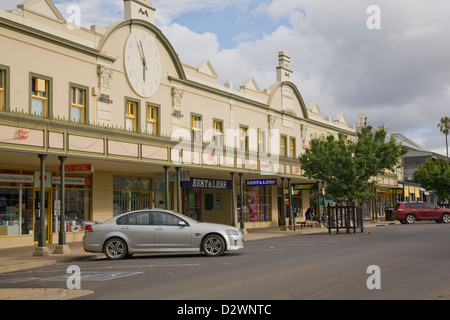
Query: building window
[39,97]
[218,133]
[196,126]
[243,138]
[258,202]
[292,147]
[152,120]
[283,146]
[2,88]
[261,142]
[77,105]
[131,116]
[139,193]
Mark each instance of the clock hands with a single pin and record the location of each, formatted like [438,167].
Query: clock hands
[144,62]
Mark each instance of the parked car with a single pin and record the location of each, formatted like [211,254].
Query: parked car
[157,230]
[410,212]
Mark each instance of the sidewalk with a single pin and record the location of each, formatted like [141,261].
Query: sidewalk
[16,259]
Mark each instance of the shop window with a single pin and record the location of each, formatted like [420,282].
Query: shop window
[152,120]
[77,105]
[16,203]
[258,205]
[77,202]
[196,126]
[40,97]
[131,116]
[134,193]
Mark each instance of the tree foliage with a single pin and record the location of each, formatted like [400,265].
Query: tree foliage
[444,127]
[348,166]
[435,175]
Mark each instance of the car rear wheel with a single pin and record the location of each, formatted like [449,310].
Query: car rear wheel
[446,218]
[213,245]
[410,219]
[116,249]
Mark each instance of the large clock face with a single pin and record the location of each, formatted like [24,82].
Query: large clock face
[142,63]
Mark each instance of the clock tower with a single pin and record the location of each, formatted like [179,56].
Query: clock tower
[139,9]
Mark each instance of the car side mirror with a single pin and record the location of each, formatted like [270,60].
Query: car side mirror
[182,224]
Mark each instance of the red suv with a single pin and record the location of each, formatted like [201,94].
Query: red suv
[410,212]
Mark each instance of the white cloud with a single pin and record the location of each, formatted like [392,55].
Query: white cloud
[167,11]
[192,47]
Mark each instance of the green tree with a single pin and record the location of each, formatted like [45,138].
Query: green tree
[348,166]
[434,174]
[444,127]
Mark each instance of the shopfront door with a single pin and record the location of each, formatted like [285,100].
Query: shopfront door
[146,200]
[46,210]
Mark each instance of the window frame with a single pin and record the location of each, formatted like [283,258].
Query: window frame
[4,89]
[84,108]
[243,137]
[262,141]
[197,132]
[156,121]
[291,147]
[218,134]
[48,99]
[283,146]
[134,117]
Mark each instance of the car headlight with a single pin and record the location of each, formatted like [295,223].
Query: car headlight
[233,232]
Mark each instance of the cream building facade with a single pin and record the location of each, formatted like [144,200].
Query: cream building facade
[133,127]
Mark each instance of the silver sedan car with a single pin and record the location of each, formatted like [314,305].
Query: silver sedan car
[157,230]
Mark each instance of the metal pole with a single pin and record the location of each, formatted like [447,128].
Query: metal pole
[62,215]
[42,234]
[283,211]
[166,175]
[233,200]
[178,189]
[241,200]
[291,215]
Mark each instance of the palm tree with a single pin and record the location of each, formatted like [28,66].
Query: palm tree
[444,127]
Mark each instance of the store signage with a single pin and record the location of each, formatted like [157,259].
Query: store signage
[47,179]
[305,186]
[21,134]
[16,178]
[72,181]
[78,168]
[261,182]
[206,183]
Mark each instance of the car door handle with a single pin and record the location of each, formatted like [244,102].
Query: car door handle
[159,229]
[125,228]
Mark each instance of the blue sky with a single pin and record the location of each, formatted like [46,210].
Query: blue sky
[398,75]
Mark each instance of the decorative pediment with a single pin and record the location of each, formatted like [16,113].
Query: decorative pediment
[340,118]
[315,109]
[42,7]
[206,67]
[250,84]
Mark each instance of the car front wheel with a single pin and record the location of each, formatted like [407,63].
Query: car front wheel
[410,219]
[116,249]
[446,218]
[213,245]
